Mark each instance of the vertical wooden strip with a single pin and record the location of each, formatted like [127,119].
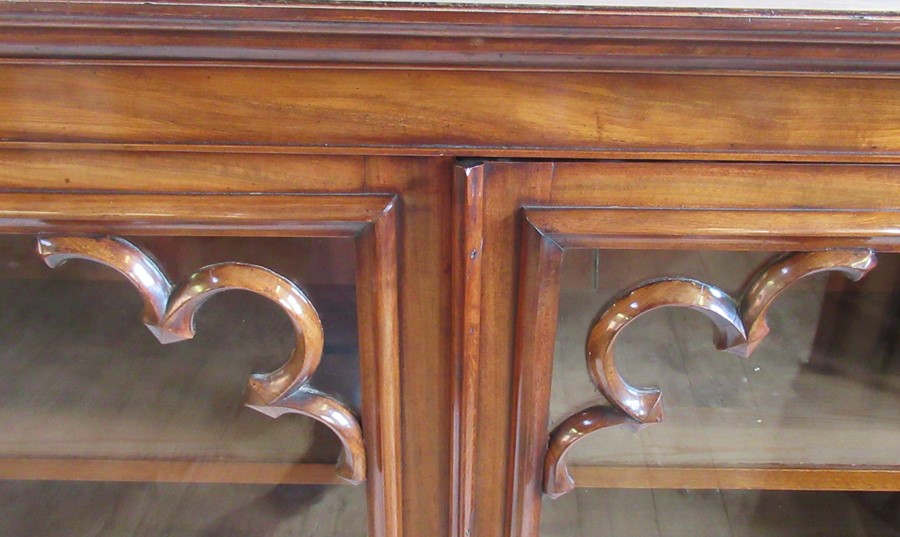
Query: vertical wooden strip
[380,365]
[425,253]
[468,239]
[507,187]
[538,306]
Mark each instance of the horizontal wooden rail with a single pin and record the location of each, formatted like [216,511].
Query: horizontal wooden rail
[842,478]
[73,469]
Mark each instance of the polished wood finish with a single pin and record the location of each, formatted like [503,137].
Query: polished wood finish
[725,185]
[842,479]
[379,350]
[424,244]
[128,260]
[557,475]
[773,279]
[289,120]
[157,471]
[629,228]
[645,404]
[268,196]
[455,36]
[586,115]
[468,238]
[535,337]
[507,188]
[270,191]
[184,172]
[275,216]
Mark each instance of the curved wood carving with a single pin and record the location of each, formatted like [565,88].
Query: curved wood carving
[782,272]
[140,269]
[644,404]
[169,314]
[557,479]
[741,326]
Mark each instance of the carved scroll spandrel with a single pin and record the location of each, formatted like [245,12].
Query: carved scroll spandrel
[169,312]
[740,327]
[782,272]
[644,404]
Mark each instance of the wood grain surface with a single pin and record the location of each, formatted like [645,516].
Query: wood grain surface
[227,118]
[505,113]
[475,37]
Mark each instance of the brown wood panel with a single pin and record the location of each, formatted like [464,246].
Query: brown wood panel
[81,469]
[720,229]
[425,366]
[537,307]
[507,187]
[455,36]
[737,478]
[379,353]
[158,214]
[725,185]
[468,242]
[148,171]
[526,113]
[196,14]
[424,257]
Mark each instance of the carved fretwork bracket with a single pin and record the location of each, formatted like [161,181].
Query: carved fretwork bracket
[169,314]
[741,326]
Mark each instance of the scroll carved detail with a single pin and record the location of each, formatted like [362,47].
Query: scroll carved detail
[773,278]
[169,314]
[740,327]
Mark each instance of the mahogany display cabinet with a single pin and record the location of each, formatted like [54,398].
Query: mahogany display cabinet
[464,271]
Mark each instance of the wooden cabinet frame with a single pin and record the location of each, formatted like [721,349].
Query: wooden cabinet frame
[265,119]
[371,220]
[517,218]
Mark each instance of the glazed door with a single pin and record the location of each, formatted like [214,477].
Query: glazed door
[224,363]
[697,349]
[105,431]
[774,411]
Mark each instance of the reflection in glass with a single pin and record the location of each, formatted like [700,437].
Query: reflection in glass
[821,393]
[83,377]
[64,509]
[721,513]
[822,389]
[87,392]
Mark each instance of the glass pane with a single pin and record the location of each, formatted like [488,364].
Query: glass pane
[80,376]
[823,389]
[717,513]
[821,394]
[63,509]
